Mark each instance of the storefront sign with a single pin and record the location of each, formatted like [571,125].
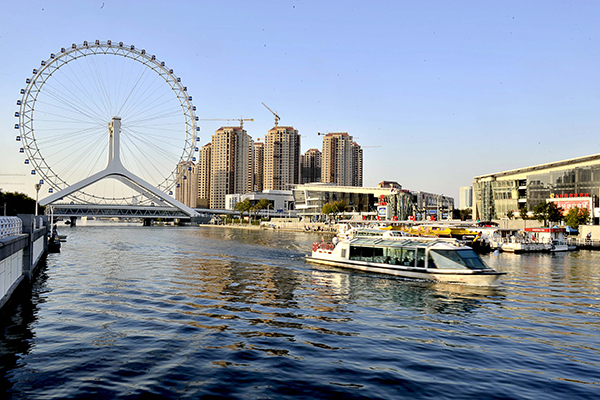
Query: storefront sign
[545,229]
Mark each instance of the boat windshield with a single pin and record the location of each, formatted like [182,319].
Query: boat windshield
[453,259]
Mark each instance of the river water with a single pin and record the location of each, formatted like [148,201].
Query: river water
[184,312]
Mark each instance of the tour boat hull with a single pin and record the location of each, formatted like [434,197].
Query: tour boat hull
[485,278]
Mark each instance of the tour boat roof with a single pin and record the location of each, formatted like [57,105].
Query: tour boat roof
[408,242]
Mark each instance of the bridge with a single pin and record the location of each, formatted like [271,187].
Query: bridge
[119,211]
[166,206]
[131,211]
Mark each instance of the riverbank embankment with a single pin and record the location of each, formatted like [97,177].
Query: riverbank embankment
[284,225]
[23,244]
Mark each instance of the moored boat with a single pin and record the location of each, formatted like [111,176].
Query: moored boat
[443,260]
[532,240]
[53,245]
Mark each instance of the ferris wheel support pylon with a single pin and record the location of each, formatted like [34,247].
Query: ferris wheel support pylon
[115,169]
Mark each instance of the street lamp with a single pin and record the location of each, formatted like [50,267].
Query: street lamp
[37,186]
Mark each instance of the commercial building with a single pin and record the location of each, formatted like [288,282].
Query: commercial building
[231,164]
[385,202]
[342,160]
[428,205]
[466,197]
[569,183]
[282,201]
[311,166]
[282,158]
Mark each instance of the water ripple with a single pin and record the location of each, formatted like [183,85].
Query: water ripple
[130,312]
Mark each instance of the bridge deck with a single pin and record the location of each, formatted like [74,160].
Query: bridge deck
[125,211]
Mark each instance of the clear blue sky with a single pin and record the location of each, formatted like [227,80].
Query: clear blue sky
[448,89]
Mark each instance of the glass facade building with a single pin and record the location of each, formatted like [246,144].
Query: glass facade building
[496,195]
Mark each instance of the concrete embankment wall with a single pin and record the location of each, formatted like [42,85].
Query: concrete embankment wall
[23,243]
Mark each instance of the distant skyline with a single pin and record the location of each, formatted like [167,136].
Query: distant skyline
[449,90]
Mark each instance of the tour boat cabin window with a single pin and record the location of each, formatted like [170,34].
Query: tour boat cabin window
[367,254]
[456,259]
[420,258]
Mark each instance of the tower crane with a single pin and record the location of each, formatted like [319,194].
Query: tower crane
[274,113]
[230,119]
[12,176]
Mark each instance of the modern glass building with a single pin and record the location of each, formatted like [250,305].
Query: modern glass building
[573,182]
[385,202]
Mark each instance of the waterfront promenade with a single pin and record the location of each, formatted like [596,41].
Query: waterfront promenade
[23,246]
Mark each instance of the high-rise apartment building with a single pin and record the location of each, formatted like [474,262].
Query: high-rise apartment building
[342,160]
[282,158]
[259,166]
[231,164]
[311,166]
[466,197]
[204,159]
[186,189]
[357,161]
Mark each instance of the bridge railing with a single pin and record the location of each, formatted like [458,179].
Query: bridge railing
[10,226]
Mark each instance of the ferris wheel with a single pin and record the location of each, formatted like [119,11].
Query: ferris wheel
[67,107]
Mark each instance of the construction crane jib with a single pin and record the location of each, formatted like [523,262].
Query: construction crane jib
[230,119]
[274,113]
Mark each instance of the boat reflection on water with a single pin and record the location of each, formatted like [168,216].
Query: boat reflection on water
[425,296]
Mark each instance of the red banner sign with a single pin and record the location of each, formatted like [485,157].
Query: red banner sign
[545,230]
[569,203]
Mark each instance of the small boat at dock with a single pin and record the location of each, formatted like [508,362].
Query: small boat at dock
[53,245]
[535,240]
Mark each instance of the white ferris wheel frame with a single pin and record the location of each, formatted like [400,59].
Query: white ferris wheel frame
[66,55]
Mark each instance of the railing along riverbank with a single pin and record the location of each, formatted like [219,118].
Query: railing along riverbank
[23,244]
[583,243]
[293,226]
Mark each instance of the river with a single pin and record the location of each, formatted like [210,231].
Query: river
[133,312]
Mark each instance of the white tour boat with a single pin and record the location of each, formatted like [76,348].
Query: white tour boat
[444,260]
